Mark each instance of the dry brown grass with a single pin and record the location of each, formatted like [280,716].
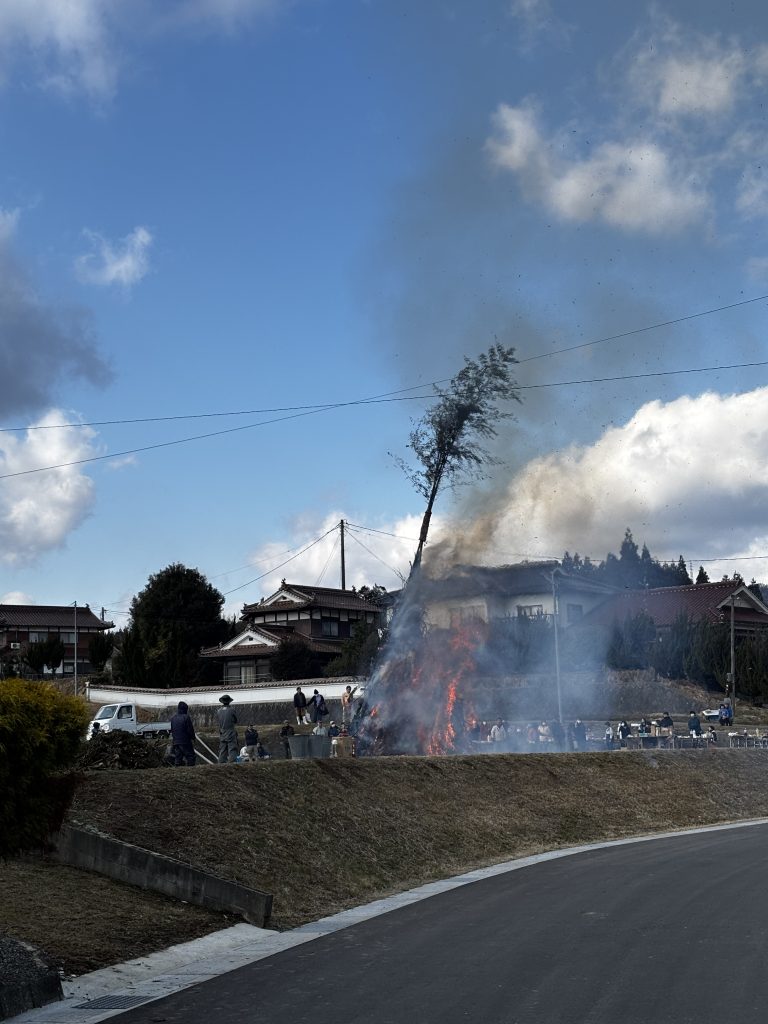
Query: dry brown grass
[324,835]
[85,922]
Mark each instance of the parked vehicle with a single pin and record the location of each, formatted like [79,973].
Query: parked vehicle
[110,717]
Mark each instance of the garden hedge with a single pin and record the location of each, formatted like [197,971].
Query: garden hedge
[40,734]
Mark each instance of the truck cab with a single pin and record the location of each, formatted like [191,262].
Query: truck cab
[111,717]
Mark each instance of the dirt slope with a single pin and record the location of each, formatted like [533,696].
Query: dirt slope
[323,835]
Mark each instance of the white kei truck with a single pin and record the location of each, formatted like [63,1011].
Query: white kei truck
[111,717]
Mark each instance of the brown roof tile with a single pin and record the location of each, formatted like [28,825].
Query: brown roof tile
[40,616]
[664,604]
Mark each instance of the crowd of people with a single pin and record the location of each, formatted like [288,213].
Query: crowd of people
[308,711]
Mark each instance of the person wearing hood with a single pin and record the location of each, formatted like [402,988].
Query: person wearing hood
[227,731]
[183,736]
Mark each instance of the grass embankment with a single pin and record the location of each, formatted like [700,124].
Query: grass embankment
[325,835]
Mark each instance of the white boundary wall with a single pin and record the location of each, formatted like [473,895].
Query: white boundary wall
[270,693]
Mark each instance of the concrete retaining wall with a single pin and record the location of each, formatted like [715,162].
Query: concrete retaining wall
[126,863]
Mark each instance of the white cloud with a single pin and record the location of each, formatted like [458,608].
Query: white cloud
[226,13]
[76,46]
[752,193]
[537,20]
[688,477]
[9,220]
[633,185]
[39,511]
[16,597]
[123,263]
[362,566]
[67,39]
[757,268]
[681,77]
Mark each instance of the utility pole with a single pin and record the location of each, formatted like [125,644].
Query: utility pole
[343,559]
[557,650]
[733,659]
[75,606]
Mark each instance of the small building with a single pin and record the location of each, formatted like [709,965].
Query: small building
[322,617]
[710,602]
[25,624]
[471,593]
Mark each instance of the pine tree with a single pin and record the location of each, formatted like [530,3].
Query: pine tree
[701,576]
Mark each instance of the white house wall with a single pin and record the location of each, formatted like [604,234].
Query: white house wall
[282,693]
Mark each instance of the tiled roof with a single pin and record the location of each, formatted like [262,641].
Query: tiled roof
[505,581]
[40,616]
[326,597]
[664,604]
[264,651]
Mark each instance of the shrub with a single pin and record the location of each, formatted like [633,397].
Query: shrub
[40,734]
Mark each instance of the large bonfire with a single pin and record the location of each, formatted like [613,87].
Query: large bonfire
[418,700]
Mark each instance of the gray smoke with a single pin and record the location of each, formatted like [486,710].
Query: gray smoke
[41,345]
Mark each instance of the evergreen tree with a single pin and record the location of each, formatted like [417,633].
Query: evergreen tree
[567,564]
[702,576]
[630,572]
[682,572]
[100,650]
[294,660]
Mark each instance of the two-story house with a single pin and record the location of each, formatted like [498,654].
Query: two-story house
[531,589]
[25,624]
[322,617]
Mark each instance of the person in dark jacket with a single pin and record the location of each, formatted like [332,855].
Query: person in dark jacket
[579,733]
[317,710]
[183,736]
[300,705]
[227,731]
[285,732]
[251,742]
[694,724]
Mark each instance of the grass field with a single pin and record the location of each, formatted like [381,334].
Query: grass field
[325,835]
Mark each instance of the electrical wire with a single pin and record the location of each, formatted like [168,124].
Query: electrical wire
[327,562]
[280,566]
[385,533]
[644,330]
[373,553]
[415,387]
[317,407]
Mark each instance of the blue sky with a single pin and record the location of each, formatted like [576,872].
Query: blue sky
[245,204]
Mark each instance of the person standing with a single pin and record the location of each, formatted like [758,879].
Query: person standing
[694,725]
[498,734]
[183,736]
[251,743]
[317,710]
[579,733]
[285,732]
[300,705]
[609,736]
[227,731]
[347,704]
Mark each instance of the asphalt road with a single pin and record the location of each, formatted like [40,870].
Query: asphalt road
[673,930]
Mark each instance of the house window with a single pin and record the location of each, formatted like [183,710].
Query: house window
[38,637]
[472,613]
[330,627]
[574,613]
[67,638]
[530,611]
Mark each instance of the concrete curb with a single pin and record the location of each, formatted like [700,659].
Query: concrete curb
[160,974]
[124,862]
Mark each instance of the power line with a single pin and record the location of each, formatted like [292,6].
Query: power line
[280,566]
[199,437]
[643,330]
[403,391]
[385,533]
[373,553]
[328,560]
[317,407]
[640,376]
